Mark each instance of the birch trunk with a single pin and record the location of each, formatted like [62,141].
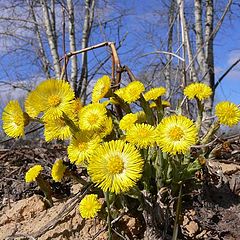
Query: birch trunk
[186,42]
[41,52]
[170,49]
[72,43]
[209,78]
[199,35]
[88,19]
[52,41]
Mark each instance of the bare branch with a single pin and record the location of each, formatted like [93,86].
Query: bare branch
[164,52]
[40,52]
[51,38]
[72,43]
[225,74]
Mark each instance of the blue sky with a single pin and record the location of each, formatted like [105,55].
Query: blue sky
[141,16]
[226,45]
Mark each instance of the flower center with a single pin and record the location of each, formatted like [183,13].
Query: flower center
[82,146]
[176,133]
[115,165]
[92,119]
[18,121]
[54,100]
[143,133]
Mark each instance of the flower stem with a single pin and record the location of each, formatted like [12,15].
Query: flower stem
[109,215]
[178,211]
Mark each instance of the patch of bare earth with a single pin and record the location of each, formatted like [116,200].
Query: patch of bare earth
[211,212]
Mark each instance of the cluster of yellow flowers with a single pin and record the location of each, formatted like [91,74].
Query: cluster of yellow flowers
[110,148]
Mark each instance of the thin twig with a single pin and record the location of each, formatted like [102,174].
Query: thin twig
[163,52]
[225,74]
[65,210]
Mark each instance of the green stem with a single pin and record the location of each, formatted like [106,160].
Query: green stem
[109,215]
[214,127]
[46,189]
[178,211]
[70,123]
[148,111]
[160,110]
[200,115]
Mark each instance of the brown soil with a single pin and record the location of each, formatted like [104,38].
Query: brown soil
[212,212]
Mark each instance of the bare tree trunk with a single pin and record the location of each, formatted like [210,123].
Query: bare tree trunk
[51,36]
[193,74]
[171,19]
[209,78]
[199,35]
[40,52]
[89,15]
[72,42]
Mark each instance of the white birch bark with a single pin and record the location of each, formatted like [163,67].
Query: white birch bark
[72,44]
[199,35]
[88,19]
[186,41]
[209,58]
[51,39]
[41,52]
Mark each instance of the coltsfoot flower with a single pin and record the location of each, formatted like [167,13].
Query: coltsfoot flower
[176,134]
[116,166]
[154,93]
[52,97]
[89,206]
[101,88]
[228,113]
[33,173]
[58,170]
[142,135]
[14,119]
[131,92]
[128,121]
[164,104]
[82,146]
[92,117]
[105,129]
[57,128]
[199,90]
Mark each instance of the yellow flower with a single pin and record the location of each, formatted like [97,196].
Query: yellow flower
[82,147]
[92,117]
[105,129]
[176,134]
[142,135]
[53,97]
[57,129]
[89,206]
[58,170]
[198,90]
[154,93]
[33,173]
[116,166]
[101,88]
[14,119]
[131,92]
[128,121]
[164,104]
[228,113]
[63,127]
[76,106]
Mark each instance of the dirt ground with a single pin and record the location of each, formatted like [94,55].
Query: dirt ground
[212,212]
